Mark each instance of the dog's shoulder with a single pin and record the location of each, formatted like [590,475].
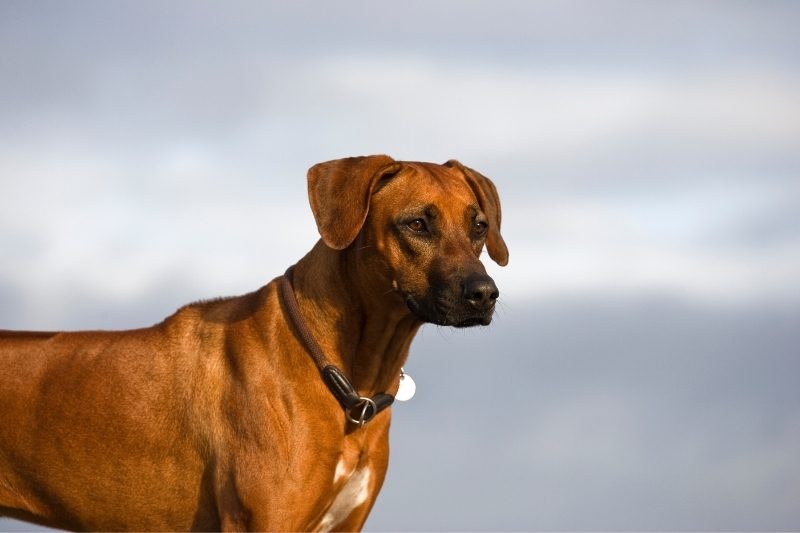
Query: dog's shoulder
[221,310]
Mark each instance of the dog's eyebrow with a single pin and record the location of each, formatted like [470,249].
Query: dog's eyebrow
[421,210]
[432,211]
[473,211]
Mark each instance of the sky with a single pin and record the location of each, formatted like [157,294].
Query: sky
[641,371]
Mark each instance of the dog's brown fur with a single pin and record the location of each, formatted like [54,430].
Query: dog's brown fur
[217,418]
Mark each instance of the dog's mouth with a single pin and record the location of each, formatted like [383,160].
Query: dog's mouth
[475,321]
[445,314]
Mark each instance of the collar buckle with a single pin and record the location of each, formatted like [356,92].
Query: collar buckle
[361,411]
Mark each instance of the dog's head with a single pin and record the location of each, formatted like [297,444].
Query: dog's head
[418,229]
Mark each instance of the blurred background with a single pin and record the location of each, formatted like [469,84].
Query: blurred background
[642,369]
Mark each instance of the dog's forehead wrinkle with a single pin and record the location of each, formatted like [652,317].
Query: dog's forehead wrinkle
[436,176]
[429,190]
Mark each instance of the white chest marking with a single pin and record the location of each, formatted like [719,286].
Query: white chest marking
[341,470]
[352,494]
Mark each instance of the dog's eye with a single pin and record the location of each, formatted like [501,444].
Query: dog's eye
[480,228]
[417,225]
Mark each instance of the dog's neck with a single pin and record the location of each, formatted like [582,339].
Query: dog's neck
[345,308]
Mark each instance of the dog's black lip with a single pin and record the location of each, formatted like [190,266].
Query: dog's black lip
[474,321]
[412,304]
[481,319]
[417,311]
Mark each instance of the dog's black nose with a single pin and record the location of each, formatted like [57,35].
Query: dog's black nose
[480,291]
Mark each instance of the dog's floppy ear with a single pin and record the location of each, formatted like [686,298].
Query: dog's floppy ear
[490,204]
[340,191]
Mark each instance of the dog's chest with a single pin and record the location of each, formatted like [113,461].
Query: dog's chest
[352,487]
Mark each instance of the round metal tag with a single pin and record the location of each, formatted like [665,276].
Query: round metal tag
[407,388]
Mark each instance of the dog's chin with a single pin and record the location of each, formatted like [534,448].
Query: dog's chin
[456,319]
[482,320]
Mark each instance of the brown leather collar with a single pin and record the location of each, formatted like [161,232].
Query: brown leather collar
[358,409]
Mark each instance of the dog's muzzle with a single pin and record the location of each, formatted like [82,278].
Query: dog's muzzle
[470,302]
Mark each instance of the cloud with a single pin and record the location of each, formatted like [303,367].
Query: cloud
[640,372]
[612,414]
[562,113]
[684,242]
[561,131]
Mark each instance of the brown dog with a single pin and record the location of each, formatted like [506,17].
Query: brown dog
[222,417]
